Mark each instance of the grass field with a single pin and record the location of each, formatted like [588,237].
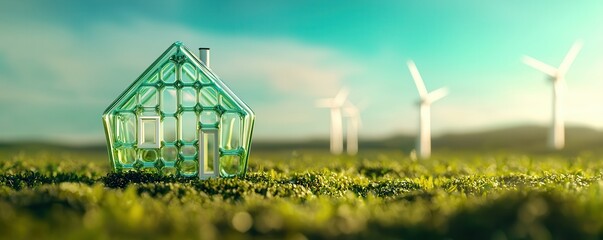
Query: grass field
[306,195]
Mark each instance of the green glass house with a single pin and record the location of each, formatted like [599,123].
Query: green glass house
[179,118]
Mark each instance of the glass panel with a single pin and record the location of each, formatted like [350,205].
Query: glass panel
[229,165]
[189,151]
[149,132]
[154,78]
[188,167]
[148,96]
[208,97]
[189,97]
[168,74]
[126,155]
[125,128]
[169,153]
[188,125]
[169,129]
[189,73]
[203,78]
[169,104]
[130,104]
[169,171]
[230,129]
[227,103]
[209,117]
[148,155]
[149,112]
[209,163]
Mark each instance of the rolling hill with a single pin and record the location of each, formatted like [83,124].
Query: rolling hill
[525,138]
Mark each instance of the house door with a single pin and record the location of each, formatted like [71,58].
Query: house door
[208,153]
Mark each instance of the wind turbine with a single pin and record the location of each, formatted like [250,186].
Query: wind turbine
[335,104]
[425,101]
[557,76]
[352,113]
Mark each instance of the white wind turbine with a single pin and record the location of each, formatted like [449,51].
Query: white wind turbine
[336,105]
[352,113]
[557,76]
[425,101]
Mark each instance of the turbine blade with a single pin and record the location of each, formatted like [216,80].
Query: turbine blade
[341,96]
[538,65]
[416,76]
[437,94]
[570,57]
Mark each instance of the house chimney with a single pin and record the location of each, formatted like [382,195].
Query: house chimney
[204,56]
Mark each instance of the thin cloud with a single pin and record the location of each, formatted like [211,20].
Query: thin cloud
[89,68]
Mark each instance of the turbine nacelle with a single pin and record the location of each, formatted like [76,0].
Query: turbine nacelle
[425,97]
[433,96]
[336,102]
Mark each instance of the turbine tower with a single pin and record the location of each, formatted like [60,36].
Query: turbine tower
[335,104]
[557,77]
[352,113]
[425,101]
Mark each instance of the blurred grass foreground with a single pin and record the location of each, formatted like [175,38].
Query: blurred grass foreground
[54,193]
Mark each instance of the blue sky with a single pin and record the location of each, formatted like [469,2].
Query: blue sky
[63,62]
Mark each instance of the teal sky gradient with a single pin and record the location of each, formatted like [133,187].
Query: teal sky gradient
[63,62]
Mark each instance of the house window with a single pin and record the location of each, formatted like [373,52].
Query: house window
[208,153]
[149,132]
